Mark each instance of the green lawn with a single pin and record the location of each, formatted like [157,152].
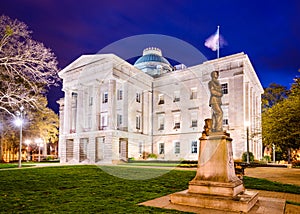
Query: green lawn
[89,189]
[14,165]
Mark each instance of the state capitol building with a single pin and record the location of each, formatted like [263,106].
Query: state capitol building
[114,111]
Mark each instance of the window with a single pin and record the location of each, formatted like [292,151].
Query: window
[138,97]
[140,147]
[119,119]
[161,123]
[224,88]
[225,115]
[177,147]
[176,121]
[104,121]
[193,93]
[90,101]
[194,119]
[194,148]
[176,96]
[225,122]
[161,148]
[138,122]
[161,99]
[105,97]
[120,95]
[194,123]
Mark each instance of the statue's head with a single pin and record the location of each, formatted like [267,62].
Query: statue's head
[214,74]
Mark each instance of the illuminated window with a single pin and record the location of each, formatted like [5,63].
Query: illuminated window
[194,119]
[176,121]
[161,122]
[193,93]
[176,96]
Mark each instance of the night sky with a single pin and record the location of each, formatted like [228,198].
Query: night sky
[268,31]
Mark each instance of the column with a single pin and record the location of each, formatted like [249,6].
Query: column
[146,106]
[67,111]
[112,104]
[95,108]
[80,111]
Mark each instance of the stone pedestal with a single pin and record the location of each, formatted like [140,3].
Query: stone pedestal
[216,185]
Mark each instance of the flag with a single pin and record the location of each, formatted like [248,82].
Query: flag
[212,42]
[215,41]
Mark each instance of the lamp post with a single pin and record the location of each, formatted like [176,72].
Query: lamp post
[19,122]
[247,128]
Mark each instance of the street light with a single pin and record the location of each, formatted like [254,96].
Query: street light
[247,124]
[19,122]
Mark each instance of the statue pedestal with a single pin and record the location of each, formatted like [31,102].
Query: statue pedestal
[216,185]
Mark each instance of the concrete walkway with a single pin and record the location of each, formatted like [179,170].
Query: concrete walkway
[282,175]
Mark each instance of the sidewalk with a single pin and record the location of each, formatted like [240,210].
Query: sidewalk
[282,175]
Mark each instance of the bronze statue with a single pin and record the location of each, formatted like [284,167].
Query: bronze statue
[215,102]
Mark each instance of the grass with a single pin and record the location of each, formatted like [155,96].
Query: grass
[264,184]
[89,189]
[13,165]
[84,189]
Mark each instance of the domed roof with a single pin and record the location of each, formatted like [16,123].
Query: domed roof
[152,58]
[152,62]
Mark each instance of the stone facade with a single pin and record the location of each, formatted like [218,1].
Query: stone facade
[113,111]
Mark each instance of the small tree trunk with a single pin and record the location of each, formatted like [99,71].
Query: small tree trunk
[289,155]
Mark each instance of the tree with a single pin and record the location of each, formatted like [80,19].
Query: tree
[273,94]
[280,123]
[44,124]
[27,67]
[38,123]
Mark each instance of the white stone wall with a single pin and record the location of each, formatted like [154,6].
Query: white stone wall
[92,76]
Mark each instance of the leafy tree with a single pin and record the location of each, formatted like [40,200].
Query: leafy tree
[44,123]
[273,94]
[280,123]
[27,67]
[38,123]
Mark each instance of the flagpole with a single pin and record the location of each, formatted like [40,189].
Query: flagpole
[218,42]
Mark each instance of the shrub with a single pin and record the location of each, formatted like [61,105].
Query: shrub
[267,158]
[154,156]
[296,163]
[244,157]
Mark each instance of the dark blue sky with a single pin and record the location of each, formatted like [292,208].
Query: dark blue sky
[268,31]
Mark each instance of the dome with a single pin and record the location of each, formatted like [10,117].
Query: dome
[152,62]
